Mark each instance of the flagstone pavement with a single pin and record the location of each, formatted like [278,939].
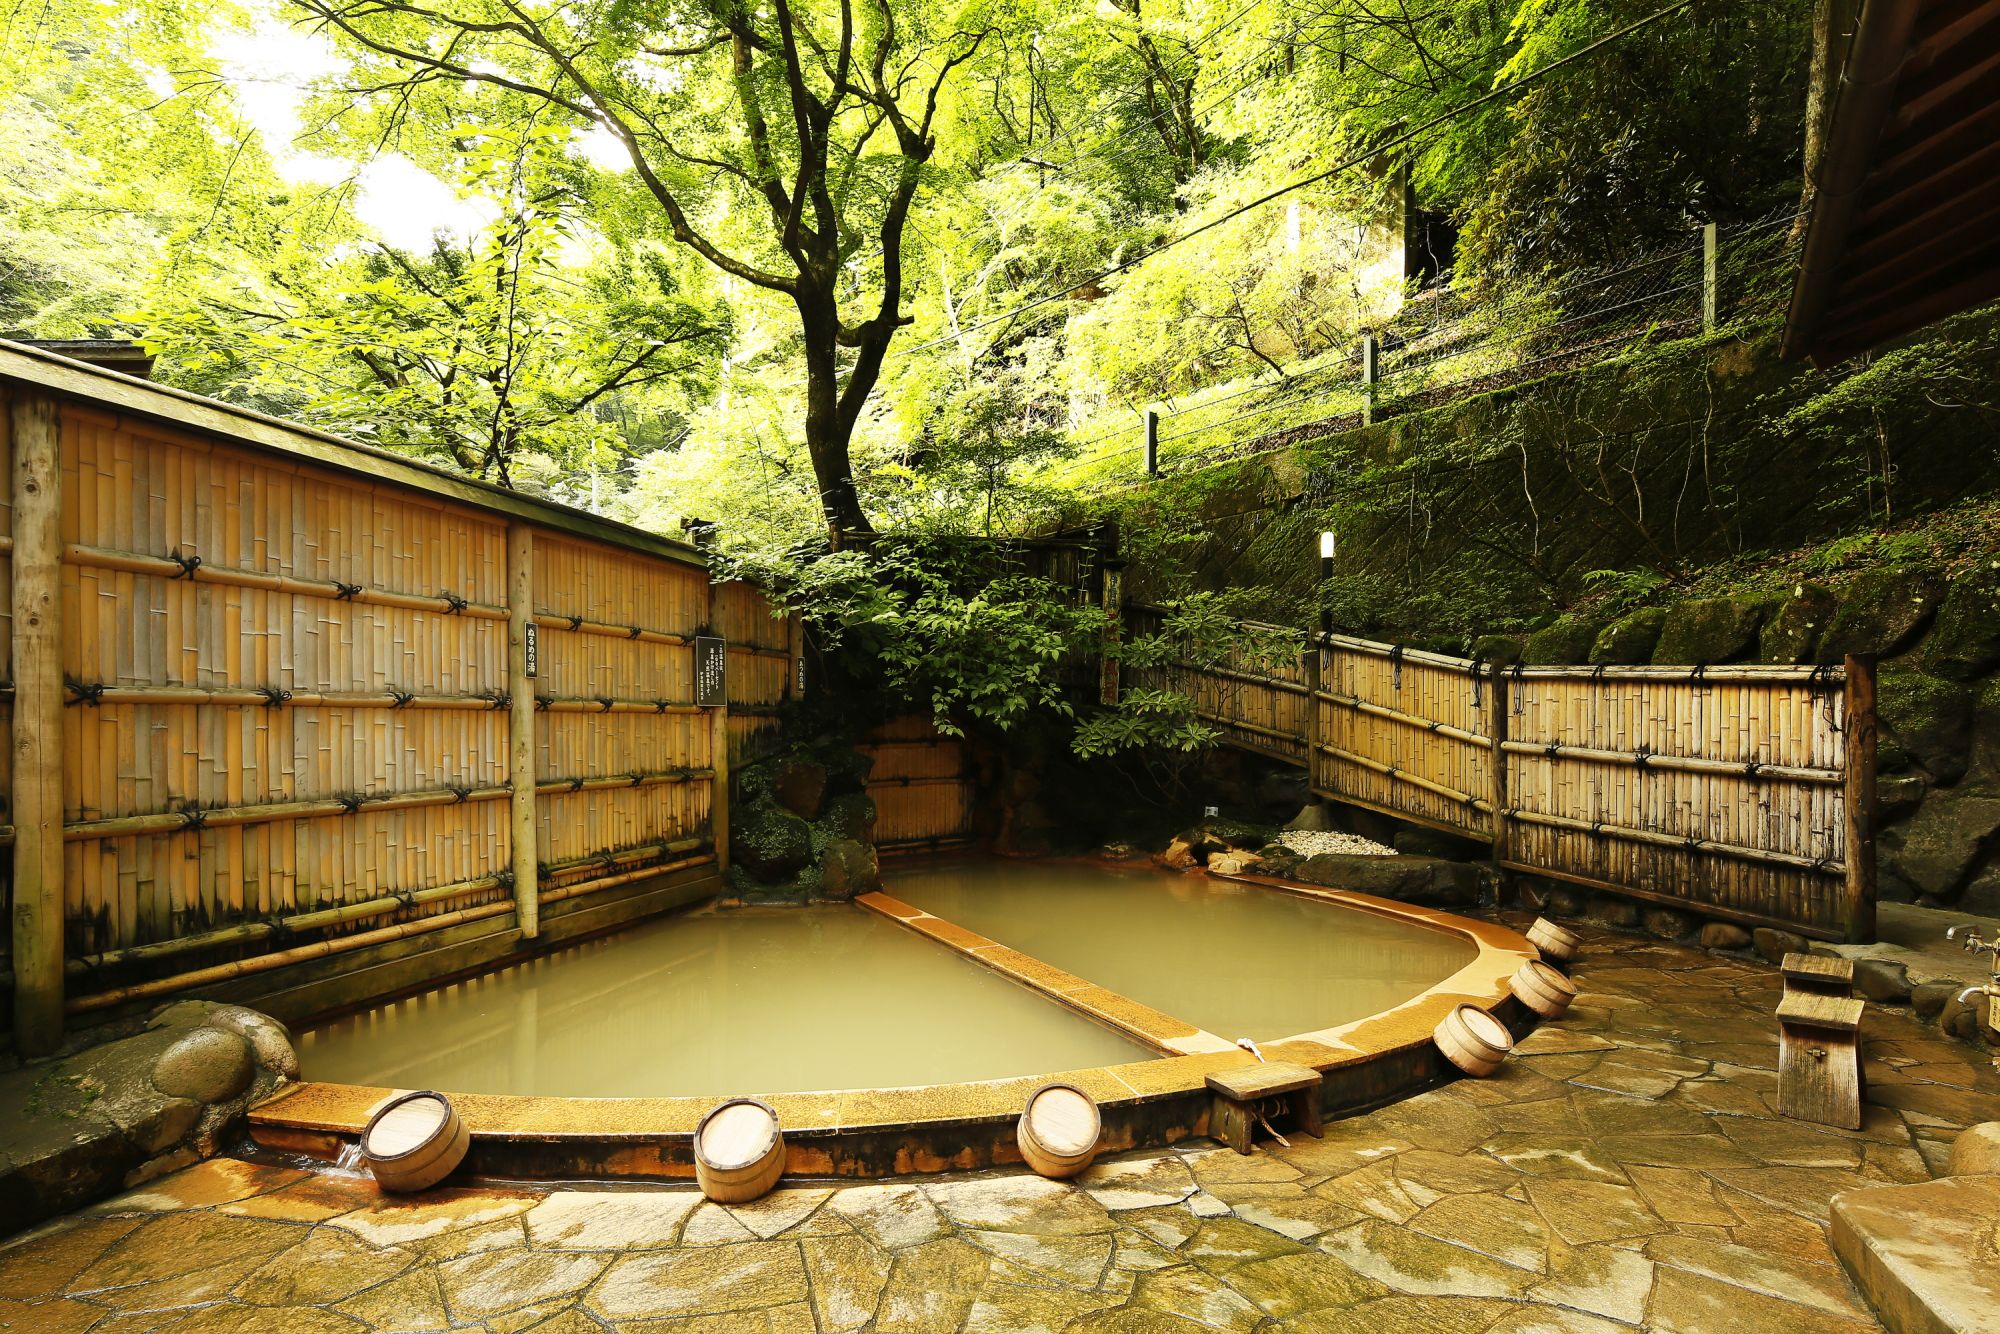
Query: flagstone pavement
[1625,1170]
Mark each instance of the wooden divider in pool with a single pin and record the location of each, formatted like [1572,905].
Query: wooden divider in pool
[739,1152]
[414,1141]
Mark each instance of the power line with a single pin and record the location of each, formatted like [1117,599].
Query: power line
[1346,164]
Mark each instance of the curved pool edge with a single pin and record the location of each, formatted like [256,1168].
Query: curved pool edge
[950,1127]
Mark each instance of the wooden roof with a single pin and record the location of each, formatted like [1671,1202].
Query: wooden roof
[38,369]
[1905,224]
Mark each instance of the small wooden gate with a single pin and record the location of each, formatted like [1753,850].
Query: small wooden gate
[921,783]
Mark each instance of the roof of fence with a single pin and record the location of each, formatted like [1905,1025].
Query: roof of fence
[115,392]
[1903,221]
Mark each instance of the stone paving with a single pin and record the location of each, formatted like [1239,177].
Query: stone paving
[1626,1169]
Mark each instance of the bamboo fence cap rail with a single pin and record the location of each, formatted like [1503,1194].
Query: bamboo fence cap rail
[1701,764]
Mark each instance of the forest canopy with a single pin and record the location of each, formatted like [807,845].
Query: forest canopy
[812,269]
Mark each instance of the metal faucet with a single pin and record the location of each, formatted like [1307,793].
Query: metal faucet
[1969,937]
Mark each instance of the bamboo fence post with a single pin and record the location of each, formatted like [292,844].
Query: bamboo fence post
[521,728]
[1858,756]
[1313,655]
[718,787]
[38,725]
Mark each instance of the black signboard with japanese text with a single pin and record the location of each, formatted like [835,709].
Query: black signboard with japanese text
[711,672]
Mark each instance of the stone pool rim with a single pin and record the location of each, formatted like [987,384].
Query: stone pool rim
[931,1128]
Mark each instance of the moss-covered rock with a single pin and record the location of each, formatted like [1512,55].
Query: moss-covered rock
[800,787]
[1964,643]
[1925,723]
[1882,611]
[1629,639]
[850,815]
[1565,641]
[768,840]
[1500,650]
[1943,844]
[848,868]
[1709,630]
[1793,628]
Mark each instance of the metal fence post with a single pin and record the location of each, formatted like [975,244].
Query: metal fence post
[1152,443]
[1711,279]
[1371,374]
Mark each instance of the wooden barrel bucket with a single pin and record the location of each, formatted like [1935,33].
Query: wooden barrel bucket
[1059,1130]
[414,1141]
[1473,1040]
[1555,942]
[1543,989]
[739,1152]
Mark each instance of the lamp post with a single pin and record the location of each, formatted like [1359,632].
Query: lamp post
[1325,574]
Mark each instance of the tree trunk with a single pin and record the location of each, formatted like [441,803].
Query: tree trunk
[827,434]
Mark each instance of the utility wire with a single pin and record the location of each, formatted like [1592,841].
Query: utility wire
[1346,164]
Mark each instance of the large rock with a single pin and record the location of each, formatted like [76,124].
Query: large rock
[1943,842]
[1882,980]
[799,786]
[1793,627]
[207,1065]
[1773,945]
[1964,643]
[1315,817]
[1629,639]
[1563,642]
[1724,936]
[769,841]
[1709,630]
[850,815]
[1425,880]
[1669,923]
[1882,611]
[1924,721]
[1976,1151]
[848,868]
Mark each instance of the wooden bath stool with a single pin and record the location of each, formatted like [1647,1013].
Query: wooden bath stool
[1819,1058]
[1282,1089]
[1821,974]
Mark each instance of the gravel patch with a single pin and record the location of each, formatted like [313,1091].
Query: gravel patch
[1312,845]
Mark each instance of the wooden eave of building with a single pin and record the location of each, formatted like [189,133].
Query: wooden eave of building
[1905,222]
[35,368]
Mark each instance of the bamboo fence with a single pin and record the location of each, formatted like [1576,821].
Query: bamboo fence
[1738,792]
[290,692]
[921,783]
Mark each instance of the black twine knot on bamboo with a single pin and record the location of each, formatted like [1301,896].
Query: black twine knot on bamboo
[459,795]
[1691,844]
[274,697]
[633,632]
[405,899]
[608,860]
[1553,750]
[660,706]
[638,777]
[193,817]
[604,703]
[1396,666]
[92,693]
[1698,673]
[576,622]
[542,703]
[504,879]
[498,700]
[453,603]
[401,699]
[1752,769]
[188,563]
[350,801]
[345,592]
[1642,757]
[1478,667]
[576,784]
[1520,695]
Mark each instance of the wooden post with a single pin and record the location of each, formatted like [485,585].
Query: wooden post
[521,726]
[718,796]
[1858,759]
[1312,663]
[1496,702]
[1371,375]
[38,725]
[1152,443]
[1711,279]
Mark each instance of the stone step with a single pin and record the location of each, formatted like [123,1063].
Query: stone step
[1924,1255]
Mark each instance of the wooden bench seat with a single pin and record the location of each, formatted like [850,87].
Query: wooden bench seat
[1819,1058]
[1282,1089]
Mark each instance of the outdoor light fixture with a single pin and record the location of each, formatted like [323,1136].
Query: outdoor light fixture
[1325,573]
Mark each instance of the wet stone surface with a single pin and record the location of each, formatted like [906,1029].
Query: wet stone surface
[1627,1169]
